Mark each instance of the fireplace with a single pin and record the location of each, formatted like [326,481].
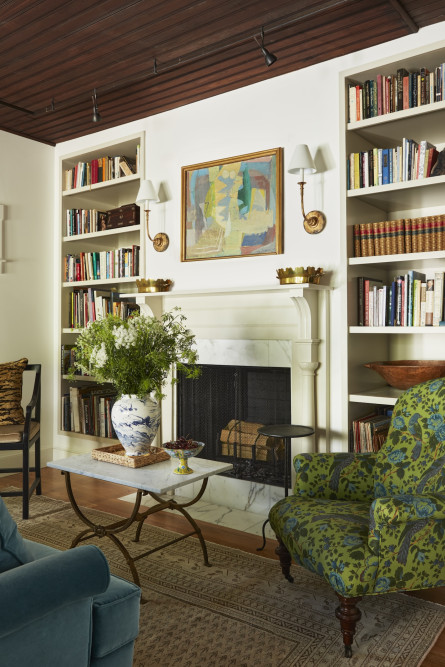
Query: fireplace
[224,408]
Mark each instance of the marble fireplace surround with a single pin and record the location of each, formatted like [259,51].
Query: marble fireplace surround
[283,326]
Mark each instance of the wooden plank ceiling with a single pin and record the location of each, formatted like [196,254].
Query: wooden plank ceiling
[147,56]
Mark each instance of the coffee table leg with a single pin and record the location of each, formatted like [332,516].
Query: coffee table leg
[97,530]
[178,507]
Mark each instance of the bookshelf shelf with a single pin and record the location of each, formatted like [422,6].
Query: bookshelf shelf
[102,281]
[111,183]
[412,199]
[427,331]
[384,395]
[405,195]
[401,261]
[102,235]
[92,402]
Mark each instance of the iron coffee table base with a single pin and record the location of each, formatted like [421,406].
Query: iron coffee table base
[111,531]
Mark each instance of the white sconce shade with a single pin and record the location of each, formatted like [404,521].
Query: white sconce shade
[301,161]
[146,194]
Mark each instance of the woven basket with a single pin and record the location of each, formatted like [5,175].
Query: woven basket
[116,454]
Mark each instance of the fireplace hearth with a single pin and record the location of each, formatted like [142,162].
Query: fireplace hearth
[224,408]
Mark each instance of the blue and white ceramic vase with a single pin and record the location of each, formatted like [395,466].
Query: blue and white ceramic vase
[136,422]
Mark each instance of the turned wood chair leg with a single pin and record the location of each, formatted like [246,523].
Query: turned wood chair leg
[285,559]
[348,614]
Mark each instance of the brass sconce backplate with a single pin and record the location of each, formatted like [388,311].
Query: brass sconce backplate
[314,222]
[160,242]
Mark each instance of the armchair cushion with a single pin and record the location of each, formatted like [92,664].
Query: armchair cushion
[14,432]
[13,549]
[11,381]
[412,460]
[329,537]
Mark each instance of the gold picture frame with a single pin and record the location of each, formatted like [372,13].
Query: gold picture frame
[233,207]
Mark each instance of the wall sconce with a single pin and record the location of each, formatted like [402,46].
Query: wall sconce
[145,195]
[315,221]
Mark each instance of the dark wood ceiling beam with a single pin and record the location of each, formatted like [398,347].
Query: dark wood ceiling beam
[406,18]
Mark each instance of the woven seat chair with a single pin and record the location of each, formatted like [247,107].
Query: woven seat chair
[372,523]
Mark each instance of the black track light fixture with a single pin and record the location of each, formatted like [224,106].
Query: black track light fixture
[96,115]
[269,57]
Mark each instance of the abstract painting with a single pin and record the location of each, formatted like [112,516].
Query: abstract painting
[232,207]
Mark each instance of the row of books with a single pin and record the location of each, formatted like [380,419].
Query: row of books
[403,90]
[88,305]
[395,237]
[413,299]
[368,433]
[119,263]
[382,166]
[99,170]
[86,221]
[88,410]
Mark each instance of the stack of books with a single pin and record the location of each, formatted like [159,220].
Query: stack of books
[382,166]
[100,170]
[394,237]
[119,263]
[413,299]
[402,90]
[88,410]
[369,433]
[88,305]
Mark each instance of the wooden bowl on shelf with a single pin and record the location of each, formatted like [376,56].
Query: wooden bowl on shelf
[407,373]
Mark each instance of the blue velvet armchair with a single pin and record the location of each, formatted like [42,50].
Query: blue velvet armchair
[62,609]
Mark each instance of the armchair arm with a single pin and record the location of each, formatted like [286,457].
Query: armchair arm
[406,535]
[338,476]
[405,508]
[31,591]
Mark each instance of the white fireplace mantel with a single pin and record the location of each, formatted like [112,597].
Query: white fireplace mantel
[312,328]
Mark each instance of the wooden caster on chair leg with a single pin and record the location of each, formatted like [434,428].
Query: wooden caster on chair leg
[348,614]
[285,560]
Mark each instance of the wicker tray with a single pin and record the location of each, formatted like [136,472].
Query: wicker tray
[116,454]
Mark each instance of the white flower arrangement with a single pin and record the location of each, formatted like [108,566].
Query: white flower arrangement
[137,354]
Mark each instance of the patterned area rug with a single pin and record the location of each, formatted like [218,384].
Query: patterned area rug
[241,612]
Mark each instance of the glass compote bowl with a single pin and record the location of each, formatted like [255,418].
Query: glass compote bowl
[182,449]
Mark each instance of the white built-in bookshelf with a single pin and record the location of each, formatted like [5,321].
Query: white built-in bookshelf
[115,249]
[364,388]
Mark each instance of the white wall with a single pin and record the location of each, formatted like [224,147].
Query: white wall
[26,283]
[300,107]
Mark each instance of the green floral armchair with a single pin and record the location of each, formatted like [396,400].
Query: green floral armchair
[372,523]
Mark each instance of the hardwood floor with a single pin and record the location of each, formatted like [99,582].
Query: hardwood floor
[105,496]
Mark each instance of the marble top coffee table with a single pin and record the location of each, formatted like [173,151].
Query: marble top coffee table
[154,480]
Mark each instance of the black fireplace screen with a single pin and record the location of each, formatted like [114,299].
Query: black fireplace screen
[224,408]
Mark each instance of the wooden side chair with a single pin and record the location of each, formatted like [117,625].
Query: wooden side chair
[19,431]
[372,523]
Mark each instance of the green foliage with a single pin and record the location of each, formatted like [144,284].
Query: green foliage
[136,355]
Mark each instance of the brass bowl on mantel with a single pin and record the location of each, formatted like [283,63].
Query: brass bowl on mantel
[151,285]
[299,275]
[407,373]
